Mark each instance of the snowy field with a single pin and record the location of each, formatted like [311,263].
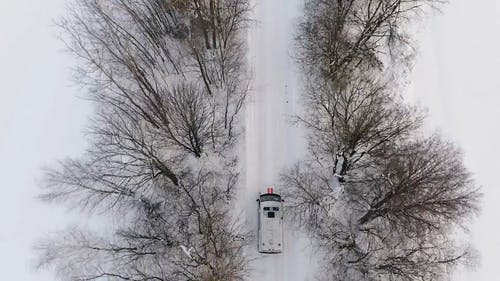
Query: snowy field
[41,120]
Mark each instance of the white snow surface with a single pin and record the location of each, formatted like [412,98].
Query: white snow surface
[272,142]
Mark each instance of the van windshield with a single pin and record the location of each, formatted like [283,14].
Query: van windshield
[270,197]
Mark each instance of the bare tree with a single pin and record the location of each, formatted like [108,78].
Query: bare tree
[381,200]
[342,37]
[167,104]
[183,232]
[351,122]
[134,48]
[392,219]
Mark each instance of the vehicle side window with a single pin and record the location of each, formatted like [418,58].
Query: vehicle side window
[270,214]
[267,208]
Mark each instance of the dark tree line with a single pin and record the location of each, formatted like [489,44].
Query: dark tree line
[381,199]
[168,87]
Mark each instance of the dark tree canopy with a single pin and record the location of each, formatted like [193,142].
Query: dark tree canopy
[381,199]
[167,81]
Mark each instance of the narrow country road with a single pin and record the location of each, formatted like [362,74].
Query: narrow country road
[272,142]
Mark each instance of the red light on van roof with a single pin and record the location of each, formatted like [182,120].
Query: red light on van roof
[270,190]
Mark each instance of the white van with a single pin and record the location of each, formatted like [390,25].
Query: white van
[270,233]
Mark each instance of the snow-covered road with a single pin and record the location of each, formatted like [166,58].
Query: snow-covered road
[272,142]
